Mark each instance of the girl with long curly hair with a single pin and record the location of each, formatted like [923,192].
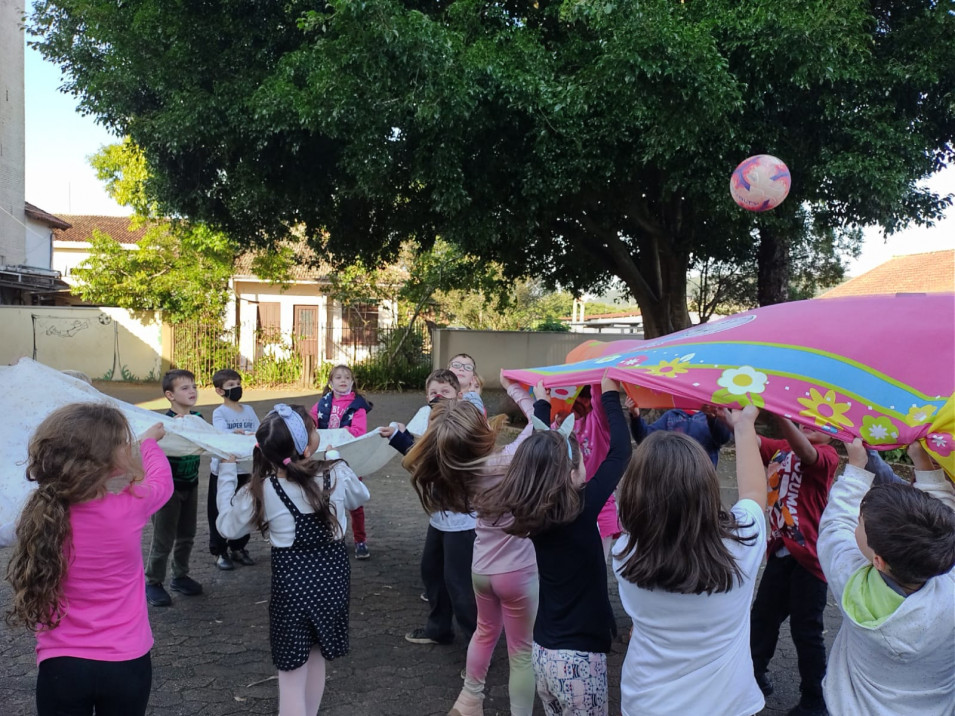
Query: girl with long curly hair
[77,567]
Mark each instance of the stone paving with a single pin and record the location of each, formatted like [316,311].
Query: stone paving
[211,653]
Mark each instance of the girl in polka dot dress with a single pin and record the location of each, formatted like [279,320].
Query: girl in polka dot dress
[303,503]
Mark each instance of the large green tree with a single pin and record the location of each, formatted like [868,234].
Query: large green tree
[179,267]
[573,140]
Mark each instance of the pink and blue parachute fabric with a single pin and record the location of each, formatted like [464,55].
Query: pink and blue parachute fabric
[877,367]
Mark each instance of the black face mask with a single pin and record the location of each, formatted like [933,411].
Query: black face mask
[233,394]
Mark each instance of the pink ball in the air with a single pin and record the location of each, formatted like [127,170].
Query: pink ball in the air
[760,183]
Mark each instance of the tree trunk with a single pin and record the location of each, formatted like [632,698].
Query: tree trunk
[663,305]
[773,266]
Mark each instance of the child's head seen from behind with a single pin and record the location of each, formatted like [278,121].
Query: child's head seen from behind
[906,533]
[72,457]
[442,384]
[179,387]
[669,505]
[450,452]
[228,384]
[285,443]
[542,487]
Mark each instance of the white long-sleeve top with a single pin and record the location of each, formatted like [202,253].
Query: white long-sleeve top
[904,666]
[235,508]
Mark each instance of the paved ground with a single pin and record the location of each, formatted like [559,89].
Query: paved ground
[211,655]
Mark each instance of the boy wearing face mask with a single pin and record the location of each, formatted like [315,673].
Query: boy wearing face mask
[231,417]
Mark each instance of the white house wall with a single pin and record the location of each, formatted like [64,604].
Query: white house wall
[39,245]
[248,295]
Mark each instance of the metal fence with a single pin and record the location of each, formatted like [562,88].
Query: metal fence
[381,357]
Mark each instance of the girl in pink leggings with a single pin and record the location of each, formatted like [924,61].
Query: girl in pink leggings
[452,463]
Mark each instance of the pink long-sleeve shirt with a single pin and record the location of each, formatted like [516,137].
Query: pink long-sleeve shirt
[495,551]
[104,589]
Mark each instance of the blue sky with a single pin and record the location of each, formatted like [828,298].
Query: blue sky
[59,179]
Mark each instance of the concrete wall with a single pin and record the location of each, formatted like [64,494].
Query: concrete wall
[12,148]
[104,343]
[494,350]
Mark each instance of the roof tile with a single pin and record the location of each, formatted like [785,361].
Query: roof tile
[932,272]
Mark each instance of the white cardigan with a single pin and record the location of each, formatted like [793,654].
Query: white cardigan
[906,665]
[235,508]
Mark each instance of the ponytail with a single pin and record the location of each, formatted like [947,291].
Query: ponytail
[275,449]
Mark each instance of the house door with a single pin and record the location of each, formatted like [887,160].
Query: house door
[268,328]
[305,330]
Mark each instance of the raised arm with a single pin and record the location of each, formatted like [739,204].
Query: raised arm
[930,478]
[607,476]
[638,428]
[750,472]
[716,421]
[839,553]
[158,473]
[798,441]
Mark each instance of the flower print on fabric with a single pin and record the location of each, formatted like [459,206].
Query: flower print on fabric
[940,443]
[825,409]
[920,414]
[668,368]
[879,431]
[742,380]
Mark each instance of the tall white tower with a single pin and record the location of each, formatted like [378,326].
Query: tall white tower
[12,132]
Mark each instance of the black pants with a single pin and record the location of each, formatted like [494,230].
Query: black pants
[788,589]
[446,573]
[217,543]
[69,686]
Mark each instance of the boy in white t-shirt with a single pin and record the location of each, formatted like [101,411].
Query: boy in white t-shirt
[233,417]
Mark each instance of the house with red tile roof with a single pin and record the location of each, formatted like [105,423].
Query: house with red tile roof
[932,272]
[269,318]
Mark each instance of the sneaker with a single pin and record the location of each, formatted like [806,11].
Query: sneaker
[186,585]
[157,596]
[423,597]
[418,636]
[764,684]
[224,563]
[242,557]
[361,551]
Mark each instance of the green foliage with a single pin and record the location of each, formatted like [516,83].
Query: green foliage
[182,270]
[568,141]
[272,370]
[401,362]
[899,455]
[203,347]
[553,325]
[123,167]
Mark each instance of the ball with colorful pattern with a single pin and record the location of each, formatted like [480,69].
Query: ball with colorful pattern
[760,183]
